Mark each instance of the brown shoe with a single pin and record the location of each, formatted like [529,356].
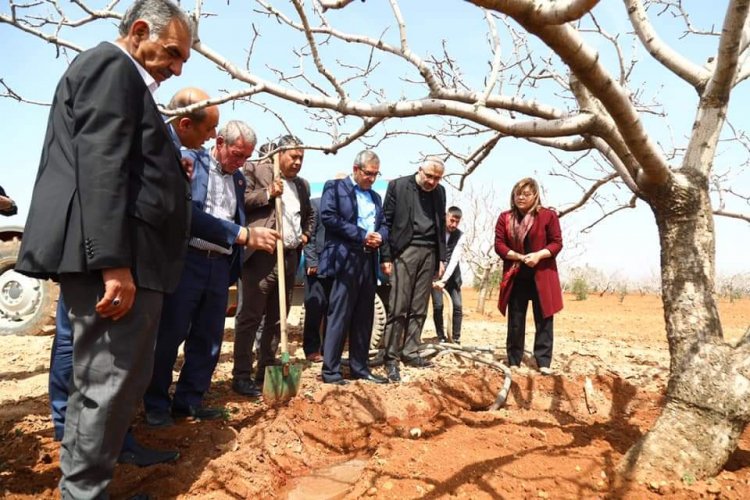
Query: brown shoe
[314,357]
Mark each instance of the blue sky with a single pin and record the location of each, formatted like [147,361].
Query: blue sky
[625,244]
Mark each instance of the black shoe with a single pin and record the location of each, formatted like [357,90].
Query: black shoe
[159,418]
[338,381]
[394,375]
[198,413]
[246,388]
[141,456]
[417,362]
[140,496]
[372,378]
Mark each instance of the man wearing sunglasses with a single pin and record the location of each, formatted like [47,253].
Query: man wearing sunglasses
[413,255]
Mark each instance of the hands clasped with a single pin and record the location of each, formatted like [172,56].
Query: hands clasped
[373,240]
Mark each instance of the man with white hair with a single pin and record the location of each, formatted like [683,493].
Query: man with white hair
[108,218]
[413,255]
[194,313]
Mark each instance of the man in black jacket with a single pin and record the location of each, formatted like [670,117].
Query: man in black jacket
[413,256]
[109,218]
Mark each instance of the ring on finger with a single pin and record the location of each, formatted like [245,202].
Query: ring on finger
[116,302]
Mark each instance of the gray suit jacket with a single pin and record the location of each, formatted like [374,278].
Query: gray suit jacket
[110,190]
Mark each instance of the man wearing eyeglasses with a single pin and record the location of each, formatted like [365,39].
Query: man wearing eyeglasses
[352,214]
[413,255]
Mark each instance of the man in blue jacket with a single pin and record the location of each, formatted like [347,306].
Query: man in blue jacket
[195,312]
[352,214]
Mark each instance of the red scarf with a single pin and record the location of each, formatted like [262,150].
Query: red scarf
[517,233]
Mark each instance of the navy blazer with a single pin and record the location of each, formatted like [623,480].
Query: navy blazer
[207,227]
[338,213]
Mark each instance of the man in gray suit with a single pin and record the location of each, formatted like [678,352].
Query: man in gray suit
[109,218]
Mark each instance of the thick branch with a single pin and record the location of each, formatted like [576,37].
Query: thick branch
[696,75]
[732,215]
[588,194]
[542,11]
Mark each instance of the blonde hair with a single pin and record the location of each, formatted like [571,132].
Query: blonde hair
[533,185]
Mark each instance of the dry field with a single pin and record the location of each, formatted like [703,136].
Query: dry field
[428,437]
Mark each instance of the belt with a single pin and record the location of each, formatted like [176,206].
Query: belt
[208,254]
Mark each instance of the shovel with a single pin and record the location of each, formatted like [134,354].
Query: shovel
[281,382]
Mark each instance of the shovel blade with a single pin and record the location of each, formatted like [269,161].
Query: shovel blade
[281,382]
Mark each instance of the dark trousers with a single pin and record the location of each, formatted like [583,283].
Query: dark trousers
[411,282]
[317,291]
[260,296]
[524,291]
[193,314]
[351,308]
[437,311]
[112,362]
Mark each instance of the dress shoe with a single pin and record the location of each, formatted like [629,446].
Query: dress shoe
[417,362]
[141,456]
[198,413]
[314,357]
[394,375]
[246,388]
[338,381]
[159,418]
[374,379]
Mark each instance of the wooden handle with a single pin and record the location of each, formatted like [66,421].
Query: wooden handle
[280,261]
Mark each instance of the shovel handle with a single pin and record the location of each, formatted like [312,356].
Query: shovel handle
[281,272]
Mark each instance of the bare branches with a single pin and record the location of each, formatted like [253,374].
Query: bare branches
[671,59]
[542,12]
[588,194]
[12,94]
[732,215]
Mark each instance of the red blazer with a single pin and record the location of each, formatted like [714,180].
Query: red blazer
[545,233]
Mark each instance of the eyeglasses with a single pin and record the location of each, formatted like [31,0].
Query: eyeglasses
[371,175]
[431,177]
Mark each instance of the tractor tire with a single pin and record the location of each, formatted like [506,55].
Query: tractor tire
[27,305]
[378,324]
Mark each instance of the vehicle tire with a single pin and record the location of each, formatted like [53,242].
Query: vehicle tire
[378,324]
[27,305]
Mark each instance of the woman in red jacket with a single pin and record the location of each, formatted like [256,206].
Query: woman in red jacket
[528,239]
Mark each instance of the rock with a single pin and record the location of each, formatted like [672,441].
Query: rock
[542,494]
[415,432]
[388,485]
[713,487]
[372,492]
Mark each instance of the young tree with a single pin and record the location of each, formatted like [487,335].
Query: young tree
[595,111]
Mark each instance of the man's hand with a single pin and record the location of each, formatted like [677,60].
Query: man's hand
[312,271]
[386,268]
[438,285]
[187,166]
[275,188]
[5,203]
[119,293]
[373,240]
[262,238]
[441,270]
[304,239]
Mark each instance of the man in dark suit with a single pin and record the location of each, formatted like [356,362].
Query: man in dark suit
[317,290]
[259,272]
[415,255]
[109,218]
[352,214]
[450,281]
[194,313]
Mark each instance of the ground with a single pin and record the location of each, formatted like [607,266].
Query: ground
[428,437]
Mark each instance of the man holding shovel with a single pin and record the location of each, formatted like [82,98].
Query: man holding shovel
[260,275]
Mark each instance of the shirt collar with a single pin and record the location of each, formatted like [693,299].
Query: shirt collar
[355,185]
[147,78]
[215,164]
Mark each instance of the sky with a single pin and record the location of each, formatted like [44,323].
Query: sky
[625,244]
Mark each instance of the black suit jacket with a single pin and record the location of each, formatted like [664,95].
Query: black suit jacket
[110,191]
[315,246]
[398,207]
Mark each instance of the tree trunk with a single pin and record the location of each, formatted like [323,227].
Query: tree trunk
[483,288]
[707,398]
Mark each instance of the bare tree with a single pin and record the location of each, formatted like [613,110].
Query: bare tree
[597,111]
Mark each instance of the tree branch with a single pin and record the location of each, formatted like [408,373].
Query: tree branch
[696,75]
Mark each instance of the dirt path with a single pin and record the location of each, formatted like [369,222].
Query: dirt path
[429,437]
